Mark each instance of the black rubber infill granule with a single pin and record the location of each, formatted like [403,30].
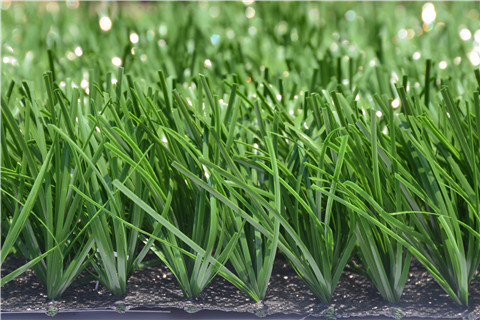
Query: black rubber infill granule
[154,288]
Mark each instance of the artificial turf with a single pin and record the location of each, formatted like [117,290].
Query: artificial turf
[217,134]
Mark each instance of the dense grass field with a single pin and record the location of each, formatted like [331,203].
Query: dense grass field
[218,135]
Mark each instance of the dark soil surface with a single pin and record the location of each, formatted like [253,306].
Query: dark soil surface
[154,288]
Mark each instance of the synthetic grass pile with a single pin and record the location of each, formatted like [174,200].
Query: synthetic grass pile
[327,132]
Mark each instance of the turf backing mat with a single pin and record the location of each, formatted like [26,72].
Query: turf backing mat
[154,288]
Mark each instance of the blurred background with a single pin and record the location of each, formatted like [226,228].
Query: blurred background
[221,38]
